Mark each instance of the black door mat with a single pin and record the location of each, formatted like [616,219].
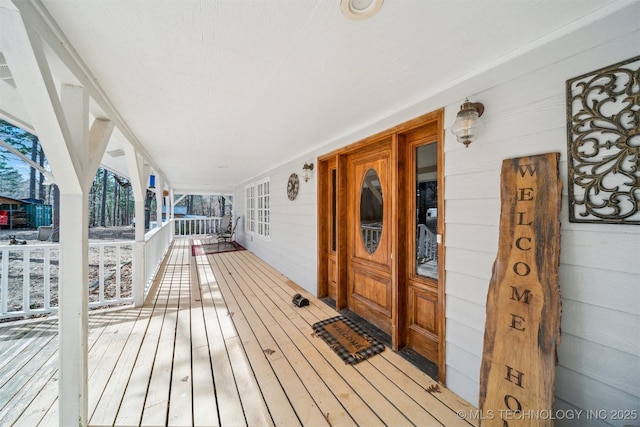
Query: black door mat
[420,362]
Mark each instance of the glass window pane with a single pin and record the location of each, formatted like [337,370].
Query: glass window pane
[371,210]
[427,210]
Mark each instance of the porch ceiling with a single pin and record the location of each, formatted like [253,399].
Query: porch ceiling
[217,91]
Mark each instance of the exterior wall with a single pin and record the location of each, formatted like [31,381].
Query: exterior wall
[524,98]
[599,357]
[293,241]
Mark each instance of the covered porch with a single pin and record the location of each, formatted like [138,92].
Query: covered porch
[217,342]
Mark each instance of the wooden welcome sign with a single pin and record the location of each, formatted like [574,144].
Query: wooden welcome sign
[523,304]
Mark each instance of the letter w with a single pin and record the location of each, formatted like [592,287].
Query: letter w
[527,168]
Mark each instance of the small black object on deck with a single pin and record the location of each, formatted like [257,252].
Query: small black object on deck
[300,301]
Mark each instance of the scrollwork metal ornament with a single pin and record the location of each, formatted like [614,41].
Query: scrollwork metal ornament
[603,135]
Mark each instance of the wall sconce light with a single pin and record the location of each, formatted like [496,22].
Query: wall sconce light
[306,171]
[468,122]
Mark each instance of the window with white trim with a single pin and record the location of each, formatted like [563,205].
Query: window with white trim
[263,217]
[250,209]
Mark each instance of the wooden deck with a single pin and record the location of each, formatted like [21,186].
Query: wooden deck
[218,343]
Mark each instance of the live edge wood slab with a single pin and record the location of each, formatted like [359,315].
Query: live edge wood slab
[522,328]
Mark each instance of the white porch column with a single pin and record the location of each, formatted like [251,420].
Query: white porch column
[139,176]
[159,200]
[61,123]
[171,203]
[73,312]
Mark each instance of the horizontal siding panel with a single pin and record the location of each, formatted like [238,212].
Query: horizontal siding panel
[296,234]
[466,337]
[470,263]
[472,211]
[467,388]
[480,185]
[594,360]
[586,393]
[472,289]
[609,328]
[473,237]
[579,416]
[465,312]
[608,251]
[466,363]
[479,158]
[607,289]
[506,132]
[540,73]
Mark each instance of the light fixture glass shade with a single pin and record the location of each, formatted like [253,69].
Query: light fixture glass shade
[306,171]
[468,123]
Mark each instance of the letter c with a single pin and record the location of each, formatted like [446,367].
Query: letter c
[521,246]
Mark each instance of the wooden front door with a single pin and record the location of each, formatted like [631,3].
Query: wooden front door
[381,233]
[369,281]
[423,263]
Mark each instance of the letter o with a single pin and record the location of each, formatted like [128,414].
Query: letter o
[508,398]
[516,268]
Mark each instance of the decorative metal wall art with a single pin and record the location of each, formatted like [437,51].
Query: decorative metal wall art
[603,135]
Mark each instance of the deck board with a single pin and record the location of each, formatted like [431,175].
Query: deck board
[219,331]
[218,342]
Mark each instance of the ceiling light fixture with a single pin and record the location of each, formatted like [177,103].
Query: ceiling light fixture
[360,9]
[468,122]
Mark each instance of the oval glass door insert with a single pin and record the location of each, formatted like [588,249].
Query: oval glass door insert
[371,210]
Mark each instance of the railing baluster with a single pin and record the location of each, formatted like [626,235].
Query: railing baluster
[118,268]
[46,277]
[156,244]
[196,226]
[26,275]
[101,273]
[4,281]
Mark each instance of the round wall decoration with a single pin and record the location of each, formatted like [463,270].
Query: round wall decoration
[292,186]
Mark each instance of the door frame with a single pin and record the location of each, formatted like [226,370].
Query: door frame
[402,222]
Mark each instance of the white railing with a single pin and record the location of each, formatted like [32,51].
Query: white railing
[427,244]
[29,277]
[110,273]
[197,226]
[371,234]
[157,242]
[29,274]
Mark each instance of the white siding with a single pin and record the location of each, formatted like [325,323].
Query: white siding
[599,357]
[525,114]
[293,227]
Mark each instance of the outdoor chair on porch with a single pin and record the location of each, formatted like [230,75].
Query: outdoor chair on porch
[226,234]
[225,225]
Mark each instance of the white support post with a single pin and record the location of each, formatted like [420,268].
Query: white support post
[73,303]
[159,200]
[74,262]
[139,176]
[172,203]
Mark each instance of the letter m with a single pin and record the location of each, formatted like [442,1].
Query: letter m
[517,296]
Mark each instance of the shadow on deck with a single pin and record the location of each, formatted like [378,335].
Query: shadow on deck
[218,342]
